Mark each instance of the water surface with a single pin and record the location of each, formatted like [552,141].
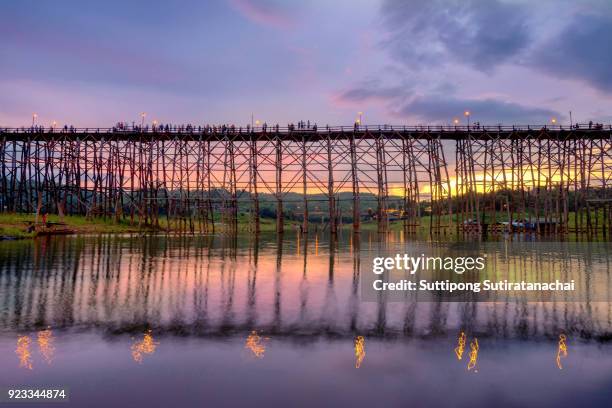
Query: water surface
[219,321]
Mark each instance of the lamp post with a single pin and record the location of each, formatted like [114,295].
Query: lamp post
[360,117]
[467,115]
[142,118]
[34,116]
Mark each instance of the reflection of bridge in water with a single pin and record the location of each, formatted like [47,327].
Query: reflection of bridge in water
[538,176]
[206,287]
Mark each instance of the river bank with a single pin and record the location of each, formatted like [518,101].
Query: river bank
[21,226]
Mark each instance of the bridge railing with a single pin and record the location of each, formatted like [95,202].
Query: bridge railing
[182,129]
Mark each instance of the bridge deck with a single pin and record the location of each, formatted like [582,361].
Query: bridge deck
[313,133]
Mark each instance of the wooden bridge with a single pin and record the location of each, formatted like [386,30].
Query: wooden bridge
[477,178]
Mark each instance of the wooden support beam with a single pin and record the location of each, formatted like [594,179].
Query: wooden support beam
[280,219]
[304,186]
[254,175]
[355,185]
[330,189]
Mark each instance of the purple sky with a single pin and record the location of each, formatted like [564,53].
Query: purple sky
[218,61]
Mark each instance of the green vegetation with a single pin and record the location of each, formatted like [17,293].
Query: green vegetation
[20,226]
[16,225]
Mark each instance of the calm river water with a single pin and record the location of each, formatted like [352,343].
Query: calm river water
[183,321]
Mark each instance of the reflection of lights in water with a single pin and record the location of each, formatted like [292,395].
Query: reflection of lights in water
[316,245]
[359,351]
[45,345]
[146,346]
[460,346]
[23,352]
[562,350]
[255,343]
[473,355]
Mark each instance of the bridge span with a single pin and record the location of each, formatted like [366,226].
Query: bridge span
[314,132]
[202,178]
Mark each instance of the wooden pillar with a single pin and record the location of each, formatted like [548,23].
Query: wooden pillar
[355,185]
[458,179]
[381,211]
[405,175]
[209,203]
[256,227]
[433,185]
[445,187]
[279,185]
[4,194]
[150,180]
[330,188]
[233,202]
[304,186]
[200,183]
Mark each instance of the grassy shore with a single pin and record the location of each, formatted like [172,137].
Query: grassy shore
[15,226]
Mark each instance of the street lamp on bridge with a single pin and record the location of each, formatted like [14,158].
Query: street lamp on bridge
[467,115]
[142,117]
[34,117]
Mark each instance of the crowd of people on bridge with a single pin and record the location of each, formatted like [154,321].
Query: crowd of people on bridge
[43,129]
[221,128]
[596,126]
[231,128]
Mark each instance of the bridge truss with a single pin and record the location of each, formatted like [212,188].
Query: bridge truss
[217,178]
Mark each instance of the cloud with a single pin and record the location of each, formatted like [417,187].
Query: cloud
[479,33]
[265,12]
[442,109]
[581,51]
[565,39]
[439,106]
[373,91]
